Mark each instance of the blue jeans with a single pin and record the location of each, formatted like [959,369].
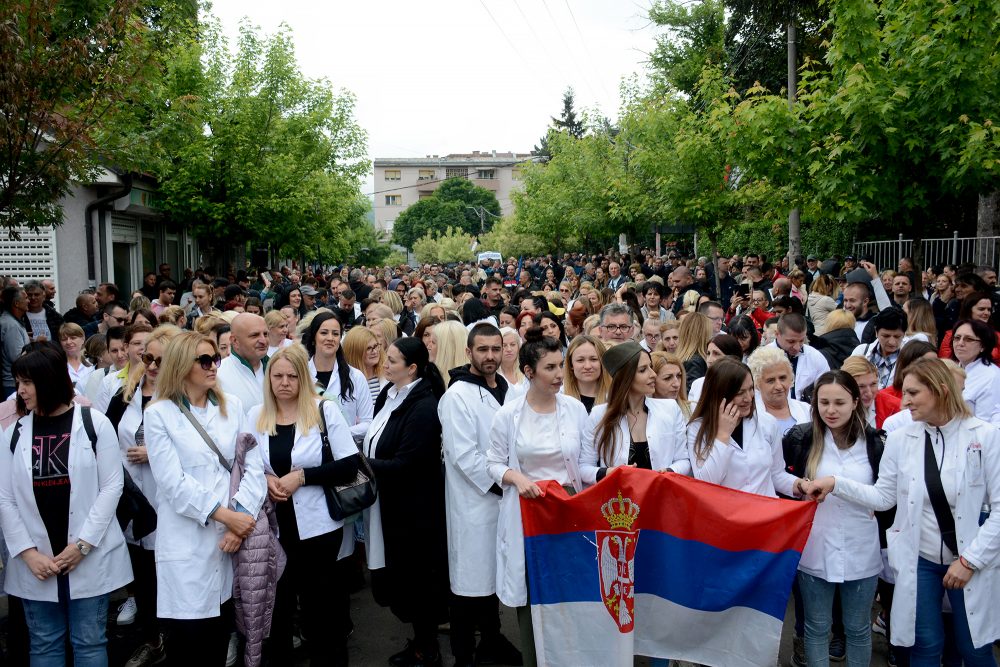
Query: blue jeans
[929,639]
[85,619]
[856,599]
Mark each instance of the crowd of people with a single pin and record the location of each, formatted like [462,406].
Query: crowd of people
[185,443]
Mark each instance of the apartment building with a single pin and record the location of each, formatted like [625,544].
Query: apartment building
[401,182]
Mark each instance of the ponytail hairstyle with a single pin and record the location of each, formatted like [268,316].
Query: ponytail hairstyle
[535,347]
[855,428]
[415,353]
[724,380]
[343,368]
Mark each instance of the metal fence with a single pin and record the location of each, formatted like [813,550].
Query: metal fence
[981,251]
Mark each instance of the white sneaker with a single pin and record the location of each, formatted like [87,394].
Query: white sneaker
[231,654]
[126,612]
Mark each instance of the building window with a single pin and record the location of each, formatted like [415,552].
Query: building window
[425,195]
[392,174]
[486,174]
[394,200]
[456,172]
[425,175]
[516,174]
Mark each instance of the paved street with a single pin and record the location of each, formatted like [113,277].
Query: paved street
[378,635]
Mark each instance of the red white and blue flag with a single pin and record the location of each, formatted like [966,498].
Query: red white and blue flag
[660,565]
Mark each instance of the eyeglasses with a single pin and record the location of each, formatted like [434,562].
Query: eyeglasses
[373,348]
[119,320]
[966,339]
[207,361]
[149,360]
[620,328]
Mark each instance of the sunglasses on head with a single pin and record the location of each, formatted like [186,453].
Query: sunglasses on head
[149,360]
[207,361]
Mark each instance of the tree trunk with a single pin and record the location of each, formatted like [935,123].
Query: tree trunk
[987,226]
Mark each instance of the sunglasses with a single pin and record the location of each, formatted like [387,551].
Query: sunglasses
[207,361]
[149,360]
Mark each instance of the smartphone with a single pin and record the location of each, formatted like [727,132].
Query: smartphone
[743,290]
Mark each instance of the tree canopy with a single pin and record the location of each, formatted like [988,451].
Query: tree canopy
[454,204]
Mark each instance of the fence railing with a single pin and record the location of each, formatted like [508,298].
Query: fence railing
[981,251]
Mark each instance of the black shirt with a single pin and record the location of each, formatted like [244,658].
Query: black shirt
[323,377]
[588,402]
[280,448]
[638,455]
[50,474]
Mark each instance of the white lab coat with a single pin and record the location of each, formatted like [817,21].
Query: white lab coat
[901,484]
[238,379]
[96,485]
[800,410]
[810,365]
[982,391]
[572,417]
[193,575]
[466,412]
[110,385]
[140,472]
[758,467]
[359,409]
[311,512]
[665,433]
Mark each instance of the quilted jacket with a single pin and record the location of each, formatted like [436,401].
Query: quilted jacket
[257,566]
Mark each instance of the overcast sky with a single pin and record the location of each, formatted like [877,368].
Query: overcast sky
[453,76]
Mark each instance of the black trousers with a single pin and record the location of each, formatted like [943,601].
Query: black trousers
[313,578]
[199,641]
[143,587]
[468,614]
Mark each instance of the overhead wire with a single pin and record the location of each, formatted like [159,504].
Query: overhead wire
[420,184]
[555,24]
[504,33]
[583,43]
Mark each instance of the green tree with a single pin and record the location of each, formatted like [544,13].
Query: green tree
[568,121]
[451,245]
[65,69]
[694,38]
[427,215]
[249,148]
[508,240]
[472,198]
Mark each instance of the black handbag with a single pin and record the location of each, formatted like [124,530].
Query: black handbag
[351,498]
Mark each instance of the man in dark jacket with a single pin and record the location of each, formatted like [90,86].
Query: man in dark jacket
[84,312]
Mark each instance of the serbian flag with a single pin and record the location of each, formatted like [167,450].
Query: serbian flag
[660,565]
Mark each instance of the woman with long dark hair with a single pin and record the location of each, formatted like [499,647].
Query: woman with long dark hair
[972,344]
[633,428]
[336,378]
[405,530]
[721,346]
[730,442]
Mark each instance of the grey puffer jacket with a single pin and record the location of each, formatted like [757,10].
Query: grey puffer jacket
[257,566]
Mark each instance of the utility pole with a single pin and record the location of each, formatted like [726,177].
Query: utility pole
[482,213]
[794,237]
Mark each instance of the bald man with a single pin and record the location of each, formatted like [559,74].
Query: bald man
[242,372]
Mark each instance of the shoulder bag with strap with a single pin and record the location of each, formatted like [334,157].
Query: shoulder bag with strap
[133,506]
[344,500]
[205,436]
[932,477]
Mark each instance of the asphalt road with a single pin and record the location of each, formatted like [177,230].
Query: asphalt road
[378,635]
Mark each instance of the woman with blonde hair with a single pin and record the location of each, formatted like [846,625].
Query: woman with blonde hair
[670,381]
[585,378]
[920,318]
[937,472]
[391,299]
[363,351]
[277,331]
[289,427]
[839,339]
[866,375]
[126,412]
[822,301]
[451,339]
[386,332]
[690,301]
[173,315]
[71,339]
[693,334]
[508,360]
[191,432]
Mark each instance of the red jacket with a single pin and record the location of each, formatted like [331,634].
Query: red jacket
[887,403]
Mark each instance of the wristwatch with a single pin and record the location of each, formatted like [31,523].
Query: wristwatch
[83,547]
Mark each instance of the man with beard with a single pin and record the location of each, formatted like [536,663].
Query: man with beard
[472,500]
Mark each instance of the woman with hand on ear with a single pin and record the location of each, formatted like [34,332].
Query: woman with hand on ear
[938,472]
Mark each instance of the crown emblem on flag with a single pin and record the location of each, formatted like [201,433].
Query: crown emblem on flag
[620,512]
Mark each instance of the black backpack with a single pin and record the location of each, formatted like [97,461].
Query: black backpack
[133,507]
